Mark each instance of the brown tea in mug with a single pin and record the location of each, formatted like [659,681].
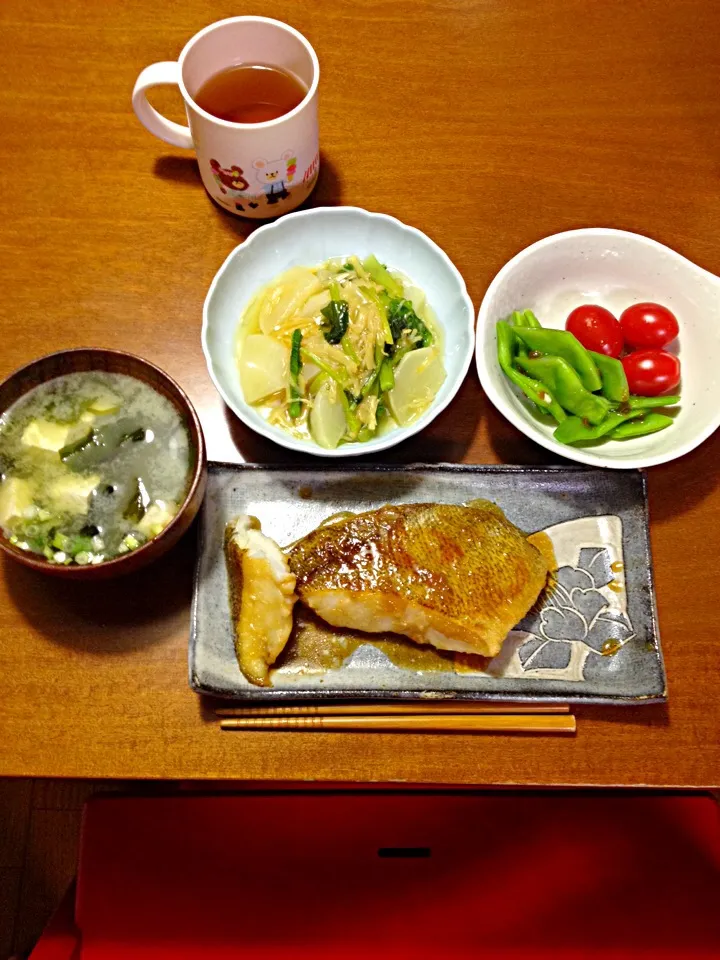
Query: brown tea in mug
[250,93]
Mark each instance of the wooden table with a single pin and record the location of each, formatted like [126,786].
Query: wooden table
[485,124]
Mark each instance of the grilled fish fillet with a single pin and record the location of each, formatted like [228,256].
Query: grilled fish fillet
[262,596]
[456,577]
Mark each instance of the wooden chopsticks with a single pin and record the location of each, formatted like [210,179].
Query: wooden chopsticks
[364,709]
[432,717]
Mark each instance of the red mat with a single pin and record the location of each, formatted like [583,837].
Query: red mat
[409,875]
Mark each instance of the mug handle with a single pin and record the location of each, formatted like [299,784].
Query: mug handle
[158,74]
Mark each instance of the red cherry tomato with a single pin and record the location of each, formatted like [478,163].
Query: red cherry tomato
[651,372]
[596,329]
[648,325]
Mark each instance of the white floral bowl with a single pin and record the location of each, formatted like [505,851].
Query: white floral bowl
[309,238]
[612,268]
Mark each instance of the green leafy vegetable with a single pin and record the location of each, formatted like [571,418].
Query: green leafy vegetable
[95,445]
[317,381]
[67,410]
[138,502]
[381,301]
[79,443]
[135,435]
[349,350]
[370,384]
[351,418]
[335,373]
[337,314]
[380,274]
[386,378]
[402,316]
[295,408]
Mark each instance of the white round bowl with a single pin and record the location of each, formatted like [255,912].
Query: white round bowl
[612,268]
[309,238]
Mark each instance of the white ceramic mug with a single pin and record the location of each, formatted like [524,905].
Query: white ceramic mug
[252,169]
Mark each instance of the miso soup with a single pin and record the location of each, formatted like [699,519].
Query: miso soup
[92,465]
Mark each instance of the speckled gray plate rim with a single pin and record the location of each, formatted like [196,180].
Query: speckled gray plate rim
[596,519]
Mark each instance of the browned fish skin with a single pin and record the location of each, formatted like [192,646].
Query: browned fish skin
[458,577]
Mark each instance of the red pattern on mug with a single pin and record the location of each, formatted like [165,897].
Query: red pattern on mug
[312,171]
[230,177]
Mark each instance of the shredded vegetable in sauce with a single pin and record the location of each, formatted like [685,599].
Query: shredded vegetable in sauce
[341,353]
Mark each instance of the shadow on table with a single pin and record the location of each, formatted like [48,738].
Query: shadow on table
[328,189]
[652,715]
[446,440]
[512,446]
[677,487]
[113,616]
[182,170]
[208,705]
[449,436]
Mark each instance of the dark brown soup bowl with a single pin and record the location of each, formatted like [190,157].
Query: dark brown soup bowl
[113,361]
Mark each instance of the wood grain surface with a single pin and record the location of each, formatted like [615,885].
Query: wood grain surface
[486,123]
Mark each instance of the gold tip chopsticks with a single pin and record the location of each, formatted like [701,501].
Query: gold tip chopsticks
[438,717]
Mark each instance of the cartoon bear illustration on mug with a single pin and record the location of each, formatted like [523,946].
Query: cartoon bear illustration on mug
[232,184]
[230,178]
[273,175]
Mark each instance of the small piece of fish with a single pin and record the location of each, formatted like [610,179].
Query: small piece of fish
[262,596]
[456,577]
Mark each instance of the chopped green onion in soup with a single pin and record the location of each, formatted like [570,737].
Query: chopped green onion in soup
[92,465]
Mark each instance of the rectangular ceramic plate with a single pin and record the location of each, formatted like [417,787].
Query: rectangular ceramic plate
[594,639]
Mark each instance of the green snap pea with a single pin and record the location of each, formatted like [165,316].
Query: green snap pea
[577,430]
[533,389]
[565,385]
[506,344]
[653,403]
[524,318]
[586,392]
[612,373]
[560,343]
[650,422]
